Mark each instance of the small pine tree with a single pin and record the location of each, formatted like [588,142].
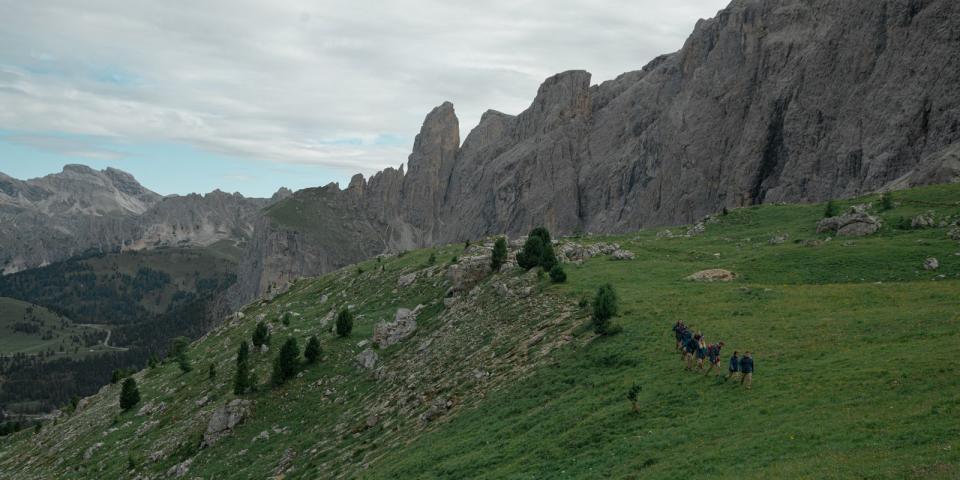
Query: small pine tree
[312,351]
[286,317]
[432,259]
[241,382]
[830,210]
[604,308]
[183,361]
[454,260]
[153,361]
[212,372]
[557,275]
[344,323]
[129,394]
[886,201]
[261,335]
[633,395]
[529,256]
[466,245]
[115,376]
[499,255]
[287,361]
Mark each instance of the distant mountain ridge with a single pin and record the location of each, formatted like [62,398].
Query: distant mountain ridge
[80,209]
[770,101]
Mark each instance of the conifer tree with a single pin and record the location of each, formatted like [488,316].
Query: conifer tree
[312,351]
[241,382]
[261,335]
[287,361]
[344,323]
[604,308]
[499,255]
[129,394]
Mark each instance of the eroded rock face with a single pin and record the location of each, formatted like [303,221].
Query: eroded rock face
[403,325]
[224,419]
[469,271]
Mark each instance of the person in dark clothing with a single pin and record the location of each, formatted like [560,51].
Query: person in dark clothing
[746,370]
[713,355]
[701,351]
[685,338]
[678,330]
[690,349]
[734,366]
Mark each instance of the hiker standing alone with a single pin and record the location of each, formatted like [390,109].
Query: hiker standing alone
[746,370]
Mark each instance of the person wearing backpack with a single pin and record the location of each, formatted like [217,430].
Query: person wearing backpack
[713,355]
[746,370]
[734,366]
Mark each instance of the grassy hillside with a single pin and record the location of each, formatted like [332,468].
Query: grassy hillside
[30,329]
[852,340]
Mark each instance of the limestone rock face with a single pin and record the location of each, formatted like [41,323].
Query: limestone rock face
[770,101]
[224,419]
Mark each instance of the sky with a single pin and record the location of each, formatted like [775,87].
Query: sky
[249,96]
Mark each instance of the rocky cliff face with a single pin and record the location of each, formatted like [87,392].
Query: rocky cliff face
[770,101]
[80,209]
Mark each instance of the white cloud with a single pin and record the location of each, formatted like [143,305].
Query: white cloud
[297,81]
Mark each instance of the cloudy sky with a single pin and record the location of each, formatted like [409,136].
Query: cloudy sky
[249,95]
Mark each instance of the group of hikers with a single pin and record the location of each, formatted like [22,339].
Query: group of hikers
[693,347]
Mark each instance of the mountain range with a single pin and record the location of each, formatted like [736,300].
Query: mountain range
[768,102]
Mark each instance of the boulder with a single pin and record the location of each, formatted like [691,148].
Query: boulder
[923,221]
[931,264]
[367,359]
[180,469]
[224,419]
[468,272]
[622,255]
[713,275]
[856,223]
[407,280]
[403,325]
[779,239]
[697,230]
[954,233]
[438,408]
[151,408]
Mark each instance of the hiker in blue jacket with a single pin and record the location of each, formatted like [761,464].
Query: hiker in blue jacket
[713,354]
[734,366]
[685,337]
[746,370]
[690,349]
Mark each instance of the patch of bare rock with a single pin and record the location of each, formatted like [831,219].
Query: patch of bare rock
[713,275]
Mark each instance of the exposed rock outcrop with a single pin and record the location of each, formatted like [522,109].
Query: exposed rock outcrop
[224,419]
[713,275]
[856,223]
[403,325]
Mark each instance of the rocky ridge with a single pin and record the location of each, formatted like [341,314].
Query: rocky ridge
[768,102]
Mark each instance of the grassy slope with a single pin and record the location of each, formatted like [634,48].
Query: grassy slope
[13,311]
[854,378]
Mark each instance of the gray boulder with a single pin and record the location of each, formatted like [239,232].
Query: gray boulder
[856,223]
[367,359]
[622,255]
[224,419]
[468,272]
[931,264]
[403,325]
